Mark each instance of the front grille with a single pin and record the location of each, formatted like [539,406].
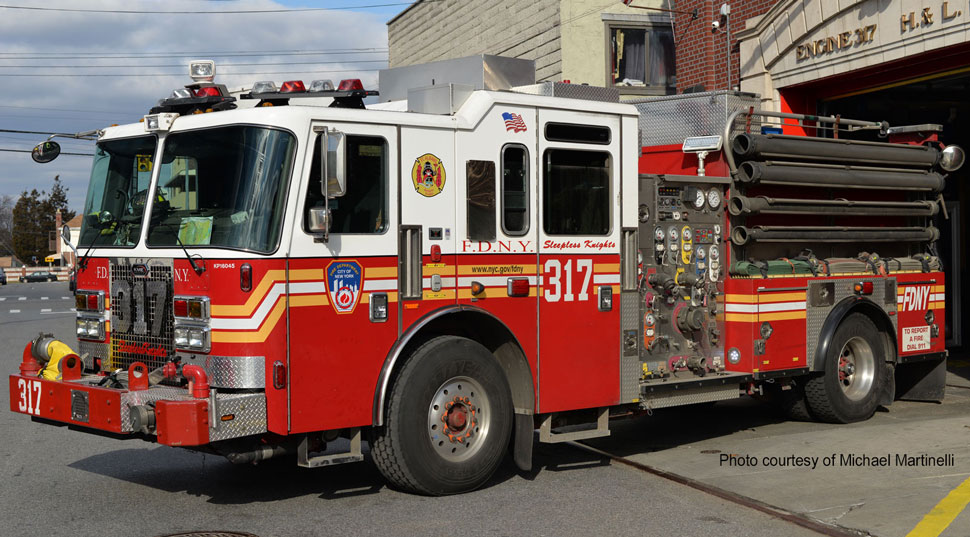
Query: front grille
[141,314]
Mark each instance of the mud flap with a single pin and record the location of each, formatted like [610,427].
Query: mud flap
[921,381]
[888,394]
[524,431]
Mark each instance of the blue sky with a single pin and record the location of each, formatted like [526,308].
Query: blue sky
[106,68]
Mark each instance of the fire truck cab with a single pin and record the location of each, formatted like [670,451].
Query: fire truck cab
[449,273]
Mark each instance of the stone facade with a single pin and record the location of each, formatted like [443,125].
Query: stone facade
[802,41]
[431,31]
[566,38]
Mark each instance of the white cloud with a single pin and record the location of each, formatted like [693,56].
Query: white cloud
[77,103]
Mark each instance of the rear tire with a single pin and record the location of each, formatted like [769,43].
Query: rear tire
[855,373]
[448,419]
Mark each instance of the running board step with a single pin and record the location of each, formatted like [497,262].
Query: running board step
[308,460]
[602,428]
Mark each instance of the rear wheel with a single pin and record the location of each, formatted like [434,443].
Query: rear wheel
[448,419]
[855,373]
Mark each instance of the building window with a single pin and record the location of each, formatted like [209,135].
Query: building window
[640,58]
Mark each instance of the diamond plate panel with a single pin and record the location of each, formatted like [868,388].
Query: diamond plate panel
[572,91]
[815,317]
[667,120]
[231,371]
[248,410]
[690,397]
[248,413]
[630,367]
[94,350]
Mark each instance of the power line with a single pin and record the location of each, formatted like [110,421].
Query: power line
[228,53]
[183,66]
[183,74]
[37,132]
[231,12]
[29,151]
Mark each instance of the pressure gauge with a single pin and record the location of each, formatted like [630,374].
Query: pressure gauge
[715,253]
[714,198]
[687,246]
[699,199]
[674,247]
[644,213]
[700,253]
[672,233]
[650,320]
[658,233]
[686,233]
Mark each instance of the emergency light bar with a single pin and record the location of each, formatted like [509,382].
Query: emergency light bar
[196,98]
[350,93]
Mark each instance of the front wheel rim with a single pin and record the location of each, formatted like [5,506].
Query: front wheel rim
[459,418]
[856,368]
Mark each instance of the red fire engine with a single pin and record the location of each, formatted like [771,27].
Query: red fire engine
[445,274]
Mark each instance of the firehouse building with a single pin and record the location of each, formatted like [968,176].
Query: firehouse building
[906,62]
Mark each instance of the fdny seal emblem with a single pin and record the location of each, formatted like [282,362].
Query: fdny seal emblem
[344,282]
[428,175]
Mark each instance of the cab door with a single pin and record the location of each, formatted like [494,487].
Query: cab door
[579,260]
[342,293]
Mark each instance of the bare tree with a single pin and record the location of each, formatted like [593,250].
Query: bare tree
[7,203]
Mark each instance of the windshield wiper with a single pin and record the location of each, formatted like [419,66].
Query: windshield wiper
[199,269]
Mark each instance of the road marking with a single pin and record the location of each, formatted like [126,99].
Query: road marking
[65,298]
[45,310]
[14,311]
[944,513]
[57,313]
[43,298]
[2,298]
[22,298]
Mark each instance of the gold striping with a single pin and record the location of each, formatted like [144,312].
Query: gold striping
[781,297]
[741,317]
[743,299]
[257,296]
[447,270]
[496,270]
[600,268]
[781,316]
[391,297]
[297,301]
[258,336]
[380,272]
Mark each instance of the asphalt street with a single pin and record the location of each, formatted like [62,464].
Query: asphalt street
[56,481]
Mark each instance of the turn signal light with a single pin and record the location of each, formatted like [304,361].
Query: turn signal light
[279,375]
[180,308]
[190,308]
[477,288]
[246,278]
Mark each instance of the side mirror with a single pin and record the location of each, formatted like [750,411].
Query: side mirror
[333,156]
[45,152]
[952,159]
[66,233]
[319,220]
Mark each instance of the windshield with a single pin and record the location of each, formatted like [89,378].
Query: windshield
[222,187]
[117,192]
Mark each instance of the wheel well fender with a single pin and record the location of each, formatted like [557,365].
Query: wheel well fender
[842,310]
[475,324]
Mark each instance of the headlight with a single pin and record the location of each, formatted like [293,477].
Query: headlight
[82,328]
[196,338]
[181,337]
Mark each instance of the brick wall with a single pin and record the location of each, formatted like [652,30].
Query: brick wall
[431,31]
[701,52]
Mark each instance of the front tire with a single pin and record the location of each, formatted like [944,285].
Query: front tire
[448,419]
[855,373]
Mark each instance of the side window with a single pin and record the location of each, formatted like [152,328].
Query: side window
[515,190]
[363,209]
[480,175]
[576,192]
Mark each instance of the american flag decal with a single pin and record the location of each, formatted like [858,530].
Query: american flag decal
[513,122]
